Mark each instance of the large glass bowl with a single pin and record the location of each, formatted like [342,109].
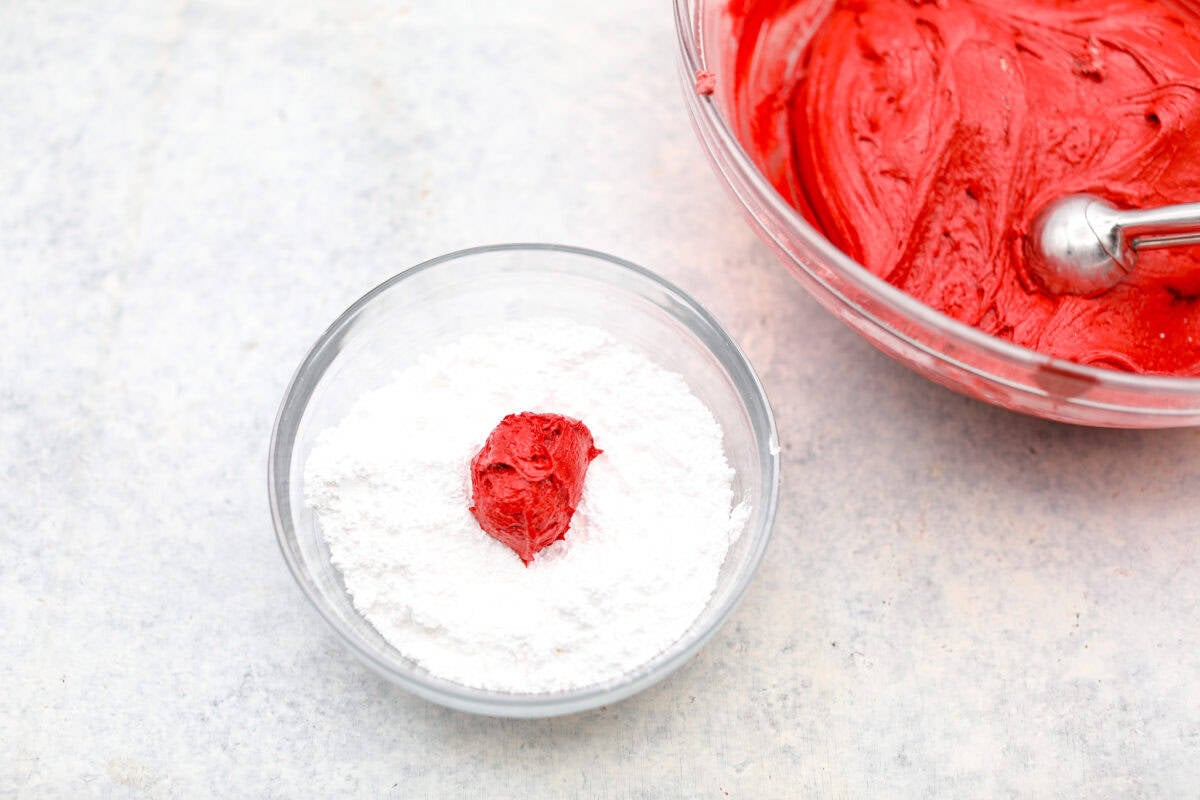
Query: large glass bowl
[435,303]
[938,347]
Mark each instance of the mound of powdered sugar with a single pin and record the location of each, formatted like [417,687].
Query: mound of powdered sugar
[390,486]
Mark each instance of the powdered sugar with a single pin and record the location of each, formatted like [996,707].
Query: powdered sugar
[390,486]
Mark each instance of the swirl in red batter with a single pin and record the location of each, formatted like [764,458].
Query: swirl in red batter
[922,137]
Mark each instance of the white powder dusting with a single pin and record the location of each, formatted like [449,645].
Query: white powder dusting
[390,485]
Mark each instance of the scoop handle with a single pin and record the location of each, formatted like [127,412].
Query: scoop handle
[1166,226]
[1152,242]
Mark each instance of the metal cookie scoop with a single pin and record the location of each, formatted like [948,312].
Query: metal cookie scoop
[1081,244]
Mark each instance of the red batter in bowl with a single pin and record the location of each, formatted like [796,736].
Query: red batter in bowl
[922,137]
[528,479]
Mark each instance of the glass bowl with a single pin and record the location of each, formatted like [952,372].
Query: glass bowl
[938,347]
[437,302]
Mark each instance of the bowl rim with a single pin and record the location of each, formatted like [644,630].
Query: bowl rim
[481,701]
[866,281]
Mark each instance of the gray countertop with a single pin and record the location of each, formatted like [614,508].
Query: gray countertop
[958,601]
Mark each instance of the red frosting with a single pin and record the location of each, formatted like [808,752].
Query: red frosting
[922,137]
[528,479]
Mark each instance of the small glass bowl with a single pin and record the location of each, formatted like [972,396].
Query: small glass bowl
[940,348]
[437,302]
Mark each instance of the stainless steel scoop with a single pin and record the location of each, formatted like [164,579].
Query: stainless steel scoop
[1081,244]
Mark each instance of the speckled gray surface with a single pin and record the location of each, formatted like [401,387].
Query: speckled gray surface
[958,602]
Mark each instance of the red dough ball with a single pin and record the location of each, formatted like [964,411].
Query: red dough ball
[528,479]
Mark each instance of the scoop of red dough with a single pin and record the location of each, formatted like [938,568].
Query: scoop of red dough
[528,478]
